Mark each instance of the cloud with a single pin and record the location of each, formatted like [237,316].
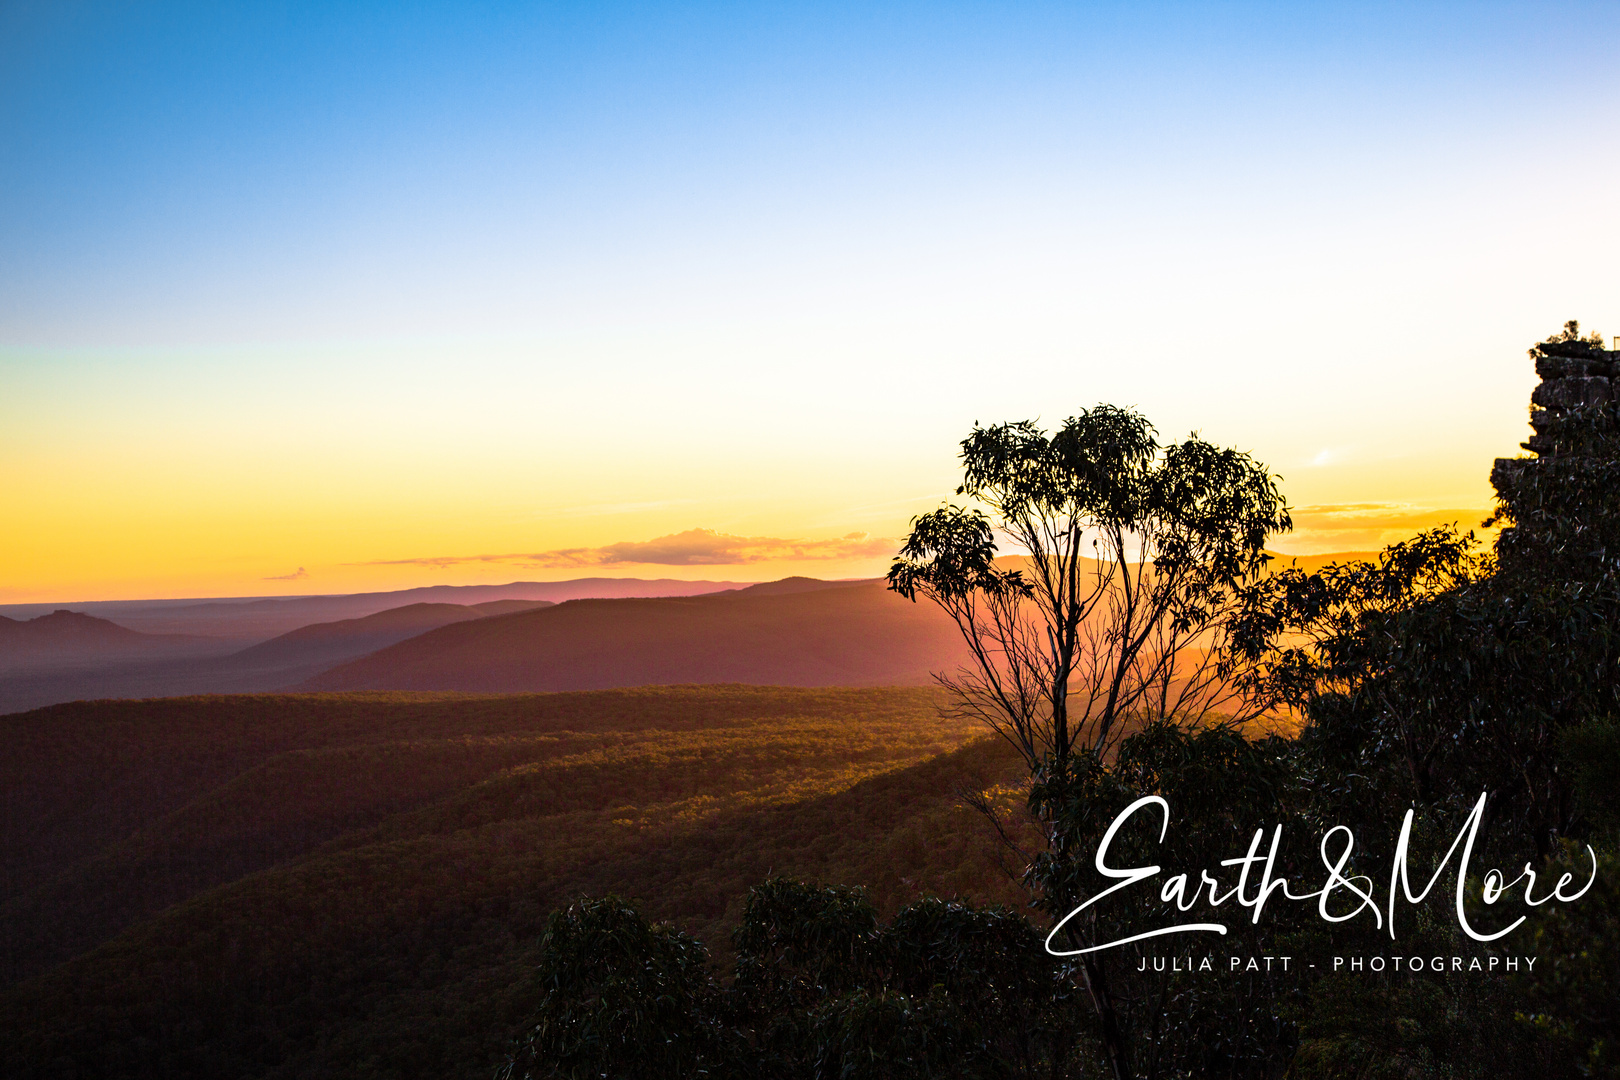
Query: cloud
[1327,456]
[1368,526]
[296,575]
[694,547]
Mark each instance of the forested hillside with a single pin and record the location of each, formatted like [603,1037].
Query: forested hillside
[355,884]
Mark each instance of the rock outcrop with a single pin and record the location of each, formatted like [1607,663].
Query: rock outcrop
[1575,375]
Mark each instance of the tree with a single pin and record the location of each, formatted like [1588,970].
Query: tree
[618,997]
[1374,654]
[1136,562]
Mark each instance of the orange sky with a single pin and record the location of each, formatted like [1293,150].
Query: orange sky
[272,470]
[184,498]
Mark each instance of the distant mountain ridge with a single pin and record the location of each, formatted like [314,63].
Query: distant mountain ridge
[790,585]
[802,633]
[334,642]
[88,658]
[63,627]
[266,617]
[792,632]
[71,637]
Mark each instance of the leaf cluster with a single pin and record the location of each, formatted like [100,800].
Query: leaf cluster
[1568,342]
[620,997]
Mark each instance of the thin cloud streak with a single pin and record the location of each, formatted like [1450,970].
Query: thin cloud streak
[1368,526]
[694,547]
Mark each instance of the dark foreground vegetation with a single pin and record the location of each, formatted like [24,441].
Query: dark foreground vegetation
[819,988]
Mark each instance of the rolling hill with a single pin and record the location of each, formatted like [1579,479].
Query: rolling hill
[330,643]
[72,638]
[825,634]
[64,629]
[793,632]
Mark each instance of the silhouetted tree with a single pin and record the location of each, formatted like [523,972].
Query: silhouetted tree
[1134,557]
[1436,672]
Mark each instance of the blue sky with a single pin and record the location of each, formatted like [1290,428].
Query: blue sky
[755,268]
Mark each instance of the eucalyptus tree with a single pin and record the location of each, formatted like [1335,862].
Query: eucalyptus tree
[1135,558]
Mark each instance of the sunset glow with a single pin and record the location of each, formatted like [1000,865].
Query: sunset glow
[295,300]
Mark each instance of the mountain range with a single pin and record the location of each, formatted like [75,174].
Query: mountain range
[590,633]
[794,633]
[257,618]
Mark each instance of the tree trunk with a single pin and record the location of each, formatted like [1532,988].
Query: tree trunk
[1113,1038]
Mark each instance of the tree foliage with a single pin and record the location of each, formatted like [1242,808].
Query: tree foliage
[1438,670]
[621,997]
[821,990]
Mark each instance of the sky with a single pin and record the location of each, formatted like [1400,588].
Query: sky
[307,298]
